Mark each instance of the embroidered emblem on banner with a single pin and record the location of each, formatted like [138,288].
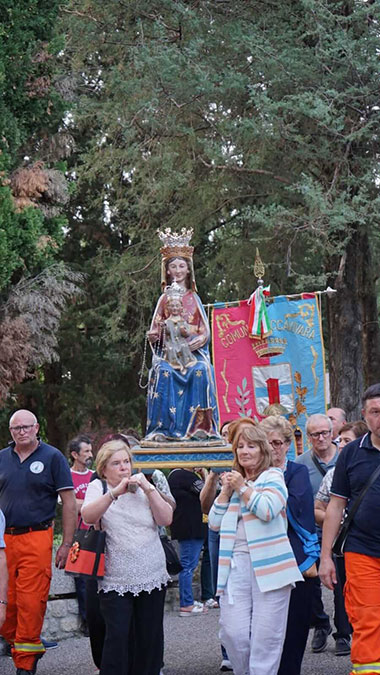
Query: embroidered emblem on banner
[273,384]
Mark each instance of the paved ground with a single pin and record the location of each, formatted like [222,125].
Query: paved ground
[191,648]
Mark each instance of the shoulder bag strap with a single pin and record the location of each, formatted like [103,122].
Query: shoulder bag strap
[317,464]
[359,498]
[104,487]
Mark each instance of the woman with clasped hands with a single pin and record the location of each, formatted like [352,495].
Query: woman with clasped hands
[257,568]
[135,568]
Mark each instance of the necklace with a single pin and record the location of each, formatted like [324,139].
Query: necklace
[158,350]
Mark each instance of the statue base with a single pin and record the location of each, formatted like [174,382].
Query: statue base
[210,454]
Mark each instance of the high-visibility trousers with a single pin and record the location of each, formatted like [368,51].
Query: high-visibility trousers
[362,600]
[29,567]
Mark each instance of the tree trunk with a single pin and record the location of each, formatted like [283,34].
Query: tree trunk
[345,334]
[53,378]
[368,301]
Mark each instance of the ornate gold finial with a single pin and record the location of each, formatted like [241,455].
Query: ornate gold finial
[259,268]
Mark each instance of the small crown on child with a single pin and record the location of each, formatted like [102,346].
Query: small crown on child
[174,291]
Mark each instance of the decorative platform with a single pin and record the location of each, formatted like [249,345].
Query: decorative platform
[182,454]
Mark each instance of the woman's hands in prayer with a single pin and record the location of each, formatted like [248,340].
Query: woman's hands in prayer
[141,481]
[227,489]
[235,480]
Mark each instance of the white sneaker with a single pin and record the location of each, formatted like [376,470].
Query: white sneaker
[211,603]
[196,611]
[225,665]
[198,604]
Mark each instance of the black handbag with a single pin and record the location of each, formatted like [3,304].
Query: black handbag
[173,564]
[340,540]
[86,555]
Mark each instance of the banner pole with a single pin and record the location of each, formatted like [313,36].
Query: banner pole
[328,291]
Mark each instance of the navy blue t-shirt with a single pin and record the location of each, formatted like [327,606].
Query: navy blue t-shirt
[28,489]
[357,461]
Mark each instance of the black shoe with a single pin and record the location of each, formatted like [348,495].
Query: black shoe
[319,641]
[21,671]
[342,646]
[83,627]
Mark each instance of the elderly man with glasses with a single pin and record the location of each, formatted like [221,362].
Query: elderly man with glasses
[32,475]
[321,457]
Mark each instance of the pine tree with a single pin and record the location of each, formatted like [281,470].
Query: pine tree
[256,123]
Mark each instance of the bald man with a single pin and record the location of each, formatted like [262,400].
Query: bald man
[32,475]
[338,418]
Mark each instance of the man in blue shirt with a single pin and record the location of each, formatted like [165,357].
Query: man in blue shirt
[32,475]
[356,463]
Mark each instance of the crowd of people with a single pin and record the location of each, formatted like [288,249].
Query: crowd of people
[261,527]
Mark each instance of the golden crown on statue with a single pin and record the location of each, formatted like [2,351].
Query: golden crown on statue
[269,347]
[176,243]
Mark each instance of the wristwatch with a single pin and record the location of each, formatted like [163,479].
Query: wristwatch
[243,489]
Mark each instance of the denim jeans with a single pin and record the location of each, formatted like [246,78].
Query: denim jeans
[213,547]
[207,586]
[189,552]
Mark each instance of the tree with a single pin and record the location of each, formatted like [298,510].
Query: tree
[257,124]
[33,289]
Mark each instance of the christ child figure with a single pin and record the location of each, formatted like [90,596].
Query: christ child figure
[177,330]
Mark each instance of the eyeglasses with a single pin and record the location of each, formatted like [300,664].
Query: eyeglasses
[24,427]
[317,434]
[277,444]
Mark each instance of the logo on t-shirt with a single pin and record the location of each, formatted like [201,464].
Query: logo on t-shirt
[37,467]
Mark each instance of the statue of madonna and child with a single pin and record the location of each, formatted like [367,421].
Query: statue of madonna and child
[181,389]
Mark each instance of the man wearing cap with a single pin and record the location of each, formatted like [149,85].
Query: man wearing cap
[32,475]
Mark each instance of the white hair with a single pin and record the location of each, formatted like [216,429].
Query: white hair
[318,417]
[22,411]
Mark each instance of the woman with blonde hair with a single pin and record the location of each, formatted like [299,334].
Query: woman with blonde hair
[257,568]
[133,587]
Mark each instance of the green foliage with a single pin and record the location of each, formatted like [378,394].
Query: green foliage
[20,233]
[26,68]
[199,111]
[257,124]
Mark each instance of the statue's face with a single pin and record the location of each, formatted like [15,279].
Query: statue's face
[175,306]
[178,270]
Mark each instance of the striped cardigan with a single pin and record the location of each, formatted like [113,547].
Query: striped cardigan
[265,525]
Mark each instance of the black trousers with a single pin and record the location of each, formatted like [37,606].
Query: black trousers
[319,618]
[95,621]
[342,624]
[80,589]
[145,612]
[297,628]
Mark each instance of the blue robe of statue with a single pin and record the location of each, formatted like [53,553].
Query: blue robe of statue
[176,400]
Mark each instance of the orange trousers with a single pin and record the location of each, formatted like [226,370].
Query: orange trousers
[362,600]
[29,568]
